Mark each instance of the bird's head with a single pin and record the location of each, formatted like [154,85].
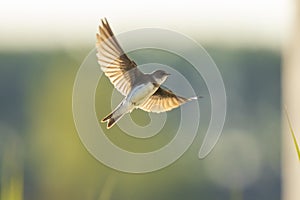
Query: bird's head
[160,76]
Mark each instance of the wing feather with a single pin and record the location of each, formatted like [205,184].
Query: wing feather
[163,100]
[121,71]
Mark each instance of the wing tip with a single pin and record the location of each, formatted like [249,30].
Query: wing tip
[104,21]
[195,98]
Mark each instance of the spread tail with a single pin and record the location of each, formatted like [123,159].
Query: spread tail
[111,119]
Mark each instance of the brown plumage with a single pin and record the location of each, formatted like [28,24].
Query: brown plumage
[128,79]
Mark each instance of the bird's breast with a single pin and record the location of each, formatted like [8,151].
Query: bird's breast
[140,93]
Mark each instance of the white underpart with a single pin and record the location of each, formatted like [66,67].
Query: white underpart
[136,97]
[123,108]
[140,93]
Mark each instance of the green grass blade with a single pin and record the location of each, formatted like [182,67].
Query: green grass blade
[293,134]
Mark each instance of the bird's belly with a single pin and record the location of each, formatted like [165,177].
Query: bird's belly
[141,93]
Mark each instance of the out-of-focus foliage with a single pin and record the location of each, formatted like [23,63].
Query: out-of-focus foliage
[36,108]
[293,134]
[11,169]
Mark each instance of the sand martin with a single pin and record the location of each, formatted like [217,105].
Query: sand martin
[141,90]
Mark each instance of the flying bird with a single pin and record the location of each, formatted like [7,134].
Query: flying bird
[143,91]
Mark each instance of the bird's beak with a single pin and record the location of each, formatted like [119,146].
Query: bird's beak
[168,74]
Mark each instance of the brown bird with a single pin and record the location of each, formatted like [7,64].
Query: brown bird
[143,91]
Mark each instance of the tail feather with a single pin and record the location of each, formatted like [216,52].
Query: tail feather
[113,120]
[107,117]
[114,116]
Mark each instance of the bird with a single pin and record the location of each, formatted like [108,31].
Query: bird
[142,91]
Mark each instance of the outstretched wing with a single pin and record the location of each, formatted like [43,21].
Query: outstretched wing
[115,64]
[163,100]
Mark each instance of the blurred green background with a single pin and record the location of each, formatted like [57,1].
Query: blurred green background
[43,45]
[40,146]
